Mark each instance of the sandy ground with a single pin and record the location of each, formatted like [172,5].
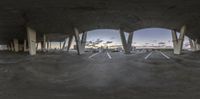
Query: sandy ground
[68,76]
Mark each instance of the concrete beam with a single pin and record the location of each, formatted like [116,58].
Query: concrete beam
[31,41]
[178,42]
[127,44]
[16,45]
[80,43]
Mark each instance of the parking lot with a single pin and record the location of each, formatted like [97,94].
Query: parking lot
[103,75]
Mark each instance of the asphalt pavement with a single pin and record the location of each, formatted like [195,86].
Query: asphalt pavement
[103,75]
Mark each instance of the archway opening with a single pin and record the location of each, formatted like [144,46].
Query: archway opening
[143,38]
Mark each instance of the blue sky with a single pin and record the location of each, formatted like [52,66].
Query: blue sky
[141,37]
[152,36]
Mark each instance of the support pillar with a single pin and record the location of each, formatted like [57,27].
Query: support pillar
[12,46]
[44,43]
[31,41]
[127,45]
[60,45]
[47,45]
[50,44]
[8,47]
[197,45]
[174,38]
[84,40]
[192,45]
[37,44]
[16,45]
[21,47]
[178,42]
[69,42]
[80,43]
[25,46]
[63,47]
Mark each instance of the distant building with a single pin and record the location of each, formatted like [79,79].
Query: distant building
[161,44]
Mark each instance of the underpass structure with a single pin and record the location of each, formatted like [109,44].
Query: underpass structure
[63,18]
[27,25]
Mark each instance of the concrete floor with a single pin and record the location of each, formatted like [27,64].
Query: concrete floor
[68,76]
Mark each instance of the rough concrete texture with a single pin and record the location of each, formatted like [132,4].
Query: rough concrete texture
[68,76]
[61,16]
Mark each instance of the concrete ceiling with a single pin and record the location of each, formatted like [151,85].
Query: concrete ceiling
[60,16]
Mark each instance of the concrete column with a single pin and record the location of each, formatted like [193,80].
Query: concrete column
[127,45]
[21,47]
[195,44]
[25,46]
[8,47]
[198,47]
[63,47]
[69,42]
[80,43]
[31,41]
[44,43]
[60,45]
[41,45]
[178,43]
[16,45]
[174,38]
[130,40]
[37,46]
[84,40]
[12,46]
[192,45]
[47,45]
[50,44]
